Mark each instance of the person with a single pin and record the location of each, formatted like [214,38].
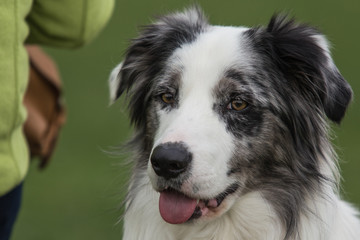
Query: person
[61,23]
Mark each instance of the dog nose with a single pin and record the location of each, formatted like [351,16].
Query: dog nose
[170,159]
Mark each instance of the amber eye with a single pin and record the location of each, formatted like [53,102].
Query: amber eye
[167,98]
[237,105]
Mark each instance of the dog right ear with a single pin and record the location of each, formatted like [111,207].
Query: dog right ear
[114,83]
[147,55]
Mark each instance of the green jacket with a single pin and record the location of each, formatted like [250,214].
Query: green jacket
[57,23]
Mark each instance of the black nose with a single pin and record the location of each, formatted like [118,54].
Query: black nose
[170,159]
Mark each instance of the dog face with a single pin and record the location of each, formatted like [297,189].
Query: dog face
[223,111]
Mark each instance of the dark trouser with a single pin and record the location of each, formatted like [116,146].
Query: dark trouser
[9,208]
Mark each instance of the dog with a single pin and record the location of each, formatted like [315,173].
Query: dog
[232,132]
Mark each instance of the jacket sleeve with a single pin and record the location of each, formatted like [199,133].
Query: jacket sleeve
[67,23]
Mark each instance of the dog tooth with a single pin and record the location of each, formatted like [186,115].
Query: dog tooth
[197,201]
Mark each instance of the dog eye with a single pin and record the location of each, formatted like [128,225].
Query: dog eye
[237,105]
[167,98]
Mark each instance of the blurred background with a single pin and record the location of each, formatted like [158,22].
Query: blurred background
[78,195]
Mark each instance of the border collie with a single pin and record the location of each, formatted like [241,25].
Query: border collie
[232,132]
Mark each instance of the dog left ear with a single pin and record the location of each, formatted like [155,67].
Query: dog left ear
[338,93]
[302,53]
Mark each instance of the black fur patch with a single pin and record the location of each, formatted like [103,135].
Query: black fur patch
[246,122]
[295,50]
[285,166]
[148,53]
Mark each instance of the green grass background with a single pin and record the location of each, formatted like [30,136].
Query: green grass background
[78,195]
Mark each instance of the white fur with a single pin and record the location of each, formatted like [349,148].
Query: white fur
[251,218]
[195,121]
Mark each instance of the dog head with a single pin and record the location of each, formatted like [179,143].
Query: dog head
[222,111]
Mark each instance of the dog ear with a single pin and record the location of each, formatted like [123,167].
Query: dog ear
[302,53]
[338,94]
[114,83]
[147,55]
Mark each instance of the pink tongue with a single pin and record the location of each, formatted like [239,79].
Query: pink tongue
[175,207]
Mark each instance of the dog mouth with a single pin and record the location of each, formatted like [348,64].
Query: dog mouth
[176,207]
